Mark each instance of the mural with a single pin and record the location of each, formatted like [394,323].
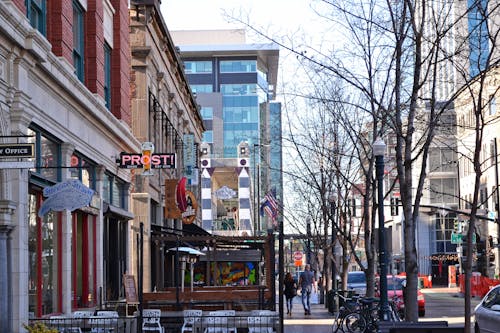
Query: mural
[225,274]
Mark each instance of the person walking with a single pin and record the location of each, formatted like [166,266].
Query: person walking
[306,283]
[290,292]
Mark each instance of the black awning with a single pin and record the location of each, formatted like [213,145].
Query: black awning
[120,213]
[193,229]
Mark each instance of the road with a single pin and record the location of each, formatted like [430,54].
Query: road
[441,304]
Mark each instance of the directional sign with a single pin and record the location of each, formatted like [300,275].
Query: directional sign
[17,150]
[456,238]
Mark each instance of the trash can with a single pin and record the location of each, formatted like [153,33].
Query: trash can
[330,301]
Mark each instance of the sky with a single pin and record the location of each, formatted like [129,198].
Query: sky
[288,21]
[207,14]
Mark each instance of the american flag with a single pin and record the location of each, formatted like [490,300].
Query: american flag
[270,206]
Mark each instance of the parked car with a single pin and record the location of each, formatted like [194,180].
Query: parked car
[487,312]
[395,286]
[356,281]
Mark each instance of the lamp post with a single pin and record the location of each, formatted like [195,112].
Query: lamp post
[308,221]
[333,206]
[378,152]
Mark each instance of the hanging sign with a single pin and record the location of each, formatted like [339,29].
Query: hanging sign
[68,195]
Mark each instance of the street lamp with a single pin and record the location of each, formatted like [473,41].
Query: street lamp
[333,206]
[378,152]
[308,221]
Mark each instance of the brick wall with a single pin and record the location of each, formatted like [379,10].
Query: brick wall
[21,5]
[120,63]
[59,28]
[94,47]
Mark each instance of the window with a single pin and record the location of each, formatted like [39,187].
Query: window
[193,67]
[443,190]
[107,75]
[44,257]
[48,155]
[83,170]
[478,35]
[78,40]
[208,136]
[493,106]
[207,112]
[443,228]
[202,88]
[84,260]
[238,66]
[238,89]
[114,191]
[442,160]
[36,13]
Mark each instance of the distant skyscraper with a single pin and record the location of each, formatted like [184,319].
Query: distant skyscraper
[234,83]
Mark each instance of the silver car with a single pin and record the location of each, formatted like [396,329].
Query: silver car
[487,312]
[356,281]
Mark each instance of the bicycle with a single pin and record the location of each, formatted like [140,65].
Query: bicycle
[350,305]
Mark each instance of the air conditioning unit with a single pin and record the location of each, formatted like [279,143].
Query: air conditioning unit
[243,163]
[205,163]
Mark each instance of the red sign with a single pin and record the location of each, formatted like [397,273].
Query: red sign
[297,255]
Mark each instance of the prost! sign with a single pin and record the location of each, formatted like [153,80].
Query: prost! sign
[147,160]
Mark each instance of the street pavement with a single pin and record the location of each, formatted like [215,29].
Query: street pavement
[441,304]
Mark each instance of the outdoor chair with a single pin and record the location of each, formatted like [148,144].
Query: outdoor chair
[260,324]
[104,322]
[221,321]
[81,319]
[151,320]
[192,319]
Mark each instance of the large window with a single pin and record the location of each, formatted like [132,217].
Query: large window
[443,190]
[83,261]
[44,257]
[207,112]
[238,66]
[83,170]
[202,88]
[208,136]
[78,40]
[36,13]
[478,35]
[107,75]
[114,191]
[442,160]
[48,155]
[443,227]
[193,67]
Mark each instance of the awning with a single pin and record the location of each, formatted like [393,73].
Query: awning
[186,249]
[116,211]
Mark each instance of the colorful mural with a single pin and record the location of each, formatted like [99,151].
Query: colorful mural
[225,274]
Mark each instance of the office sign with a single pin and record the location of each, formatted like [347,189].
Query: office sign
[17,150]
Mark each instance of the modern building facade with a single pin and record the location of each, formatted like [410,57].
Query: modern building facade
[234,83]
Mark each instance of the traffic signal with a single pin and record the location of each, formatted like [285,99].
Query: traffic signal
[394,206]
[455,225]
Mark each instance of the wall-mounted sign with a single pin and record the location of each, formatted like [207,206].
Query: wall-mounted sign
[171,209]
[157,161]
[189,214]
[17,150]
[70,195]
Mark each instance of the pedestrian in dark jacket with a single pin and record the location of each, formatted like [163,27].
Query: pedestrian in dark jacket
[290,292]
